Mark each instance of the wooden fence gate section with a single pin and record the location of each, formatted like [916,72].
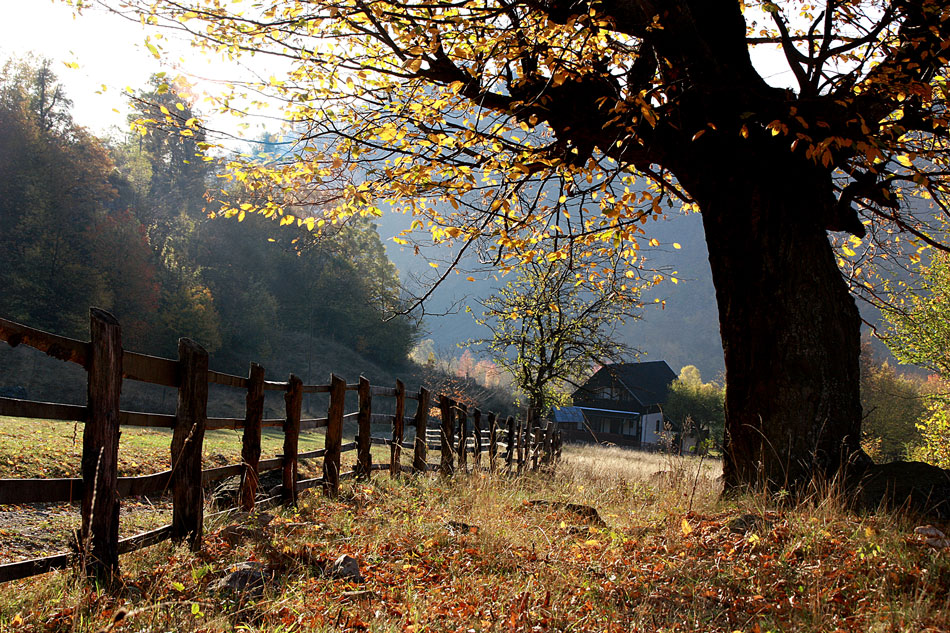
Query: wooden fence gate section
[510,444]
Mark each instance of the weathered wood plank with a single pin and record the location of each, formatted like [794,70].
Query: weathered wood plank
[35,566]
[17,491]
[267,465]
[228,380]
[382,391]
[313,423]
[270,385]
[316,388]
[309,483]
[154,420]
[320,452]
[145,539]
[293,400]
[99,532]
[349,446]
[43,410]
[217,424]
[142,485]
[334,437]
[150,369]
[187,440]
[211,475]
[60,347]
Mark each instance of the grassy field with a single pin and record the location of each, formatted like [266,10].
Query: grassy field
[49,448]
[472,553]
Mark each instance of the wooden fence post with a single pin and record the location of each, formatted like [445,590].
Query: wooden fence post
[334,437]
[558,444]
[364,458]
[492,440]
[538,433]
[548,455]
[477,435]
[293,401]
[251,441]
[520,445]
[422,417]
[510,448]
[447,433]
[398,430]
[99,534]
[462,412]
[190,419]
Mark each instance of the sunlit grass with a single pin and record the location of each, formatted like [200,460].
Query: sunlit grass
[472,553]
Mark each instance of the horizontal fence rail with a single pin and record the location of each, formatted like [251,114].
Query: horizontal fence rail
[462,433]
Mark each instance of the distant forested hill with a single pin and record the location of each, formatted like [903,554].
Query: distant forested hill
[683,332]
[122,224]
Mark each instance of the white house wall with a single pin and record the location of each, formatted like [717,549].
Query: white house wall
[650,436]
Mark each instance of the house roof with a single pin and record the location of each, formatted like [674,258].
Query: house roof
[648,382]
[567,414]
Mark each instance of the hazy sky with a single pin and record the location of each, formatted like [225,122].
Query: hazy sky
[110,52]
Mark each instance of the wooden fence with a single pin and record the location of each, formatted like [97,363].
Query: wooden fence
[492,442]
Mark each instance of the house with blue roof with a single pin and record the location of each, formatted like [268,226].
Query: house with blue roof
[621,404]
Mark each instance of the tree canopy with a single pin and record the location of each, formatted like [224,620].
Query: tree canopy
[518,123]
[551,324]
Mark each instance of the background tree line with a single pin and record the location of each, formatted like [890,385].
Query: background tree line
[121,223]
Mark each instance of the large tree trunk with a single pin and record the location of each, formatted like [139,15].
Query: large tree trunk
[790,329]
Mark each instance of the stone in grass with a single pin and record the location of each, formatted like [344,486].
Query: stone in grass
[587,513]
[244,580]
[748,523]
[346,568]
[932,536]
[245,526]
[458,528]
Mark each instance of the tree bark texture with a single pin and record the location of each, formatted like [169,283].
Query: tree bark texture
[790,329]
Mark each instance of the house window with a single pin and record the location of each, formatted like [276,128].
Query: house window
[658,422]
